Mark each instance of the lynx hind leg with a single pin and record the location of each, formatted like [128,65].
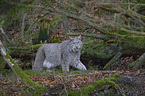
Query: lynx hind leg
[79,65]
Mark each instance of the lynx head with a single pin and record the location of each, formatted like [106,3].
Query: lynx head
[75,44]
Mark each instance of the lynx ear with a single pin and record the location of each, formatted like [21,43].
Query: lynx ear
[79,37]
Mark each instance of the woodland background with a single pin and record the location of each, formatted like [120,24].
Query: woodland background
[113,34]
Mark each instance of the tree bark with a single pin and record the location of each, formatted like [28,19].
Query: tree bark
[112,60]
[136,64]
[18,71]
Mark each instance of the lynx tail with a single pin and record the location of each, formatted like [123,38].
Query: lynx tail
[39,59]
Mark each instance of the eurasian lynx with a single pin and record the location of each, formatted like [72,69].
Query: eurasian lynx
[65,54]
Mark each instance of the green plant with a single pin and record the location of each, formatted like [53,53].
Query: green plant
[43,33]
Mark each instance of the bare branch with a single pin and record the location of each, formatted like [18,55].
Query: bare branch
[7,38]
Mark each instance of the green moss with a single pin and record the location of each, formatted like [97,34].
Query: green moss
[99,49]
[116,76]
[35,47]
[133,42]
[97,85]
[112,60]
[122,32]
[23,76]
[134,63]
[111,41]
[56,41]
[75,72]
[90,87]
[74,93]
[26,51]
[30,72]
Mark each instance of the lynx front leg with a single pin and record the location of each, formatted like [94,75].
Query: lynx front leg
[65,64]
[79,65]
[65,67]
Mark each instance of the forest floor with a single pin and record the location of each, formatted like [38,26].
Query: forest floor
[132,83]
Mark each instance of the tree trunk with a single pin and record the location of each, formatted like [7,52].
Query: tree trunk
[18,71]
[136,64]
[117,56]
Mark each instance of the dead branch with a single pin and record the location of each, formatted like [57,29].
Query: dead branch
[4,34]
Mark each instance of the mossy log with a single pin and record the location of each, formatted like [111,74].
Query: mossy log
[97,36]
[24,51]
[113,60]
[18,71]
[136,64]
[132,43]
[128,45]
[97,86]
